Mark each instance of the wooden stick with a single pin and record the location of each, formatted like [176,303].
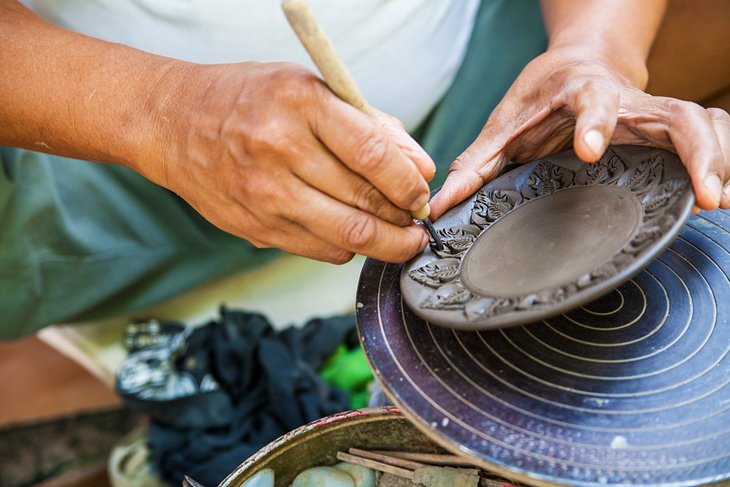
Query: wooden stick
[380,467]
[330,65]
[382,457]
[323,53]
[429,458]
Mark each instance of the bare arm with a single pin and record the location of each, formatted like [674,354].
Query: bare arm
[76,96]
[262,150]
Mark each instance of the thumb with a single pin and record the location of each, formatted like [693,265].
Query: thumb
[475,166]
[486,156]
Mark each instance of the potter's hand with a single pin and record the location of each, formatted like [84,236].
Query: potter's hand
[564,95]
[268,153]
[263,151]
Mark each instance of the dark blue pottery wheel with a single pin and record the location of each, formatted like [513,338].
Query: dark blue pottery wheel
[633,388]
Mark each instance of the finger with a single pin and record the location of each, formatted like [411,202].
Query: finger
[322,171]
[282,233]
[300,241]
[692,133]
[474,167]
[407,144]
[595,105]
[357,231]
[459,185]
[363,146]
[721,124]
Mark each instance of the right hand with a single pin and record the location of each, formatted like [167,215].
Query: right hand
[268,153]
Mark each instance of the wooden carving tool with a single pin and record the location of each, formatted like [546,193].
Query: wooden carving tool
[337,76]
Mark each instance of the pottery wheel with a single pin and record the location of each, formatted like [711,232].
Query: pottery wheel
[632,388]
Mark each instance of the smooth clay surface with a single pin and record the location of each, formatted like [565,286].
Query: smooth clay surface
[552,240]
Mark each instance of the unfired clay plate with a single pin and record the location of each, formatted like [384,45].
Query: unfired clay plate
[548,237]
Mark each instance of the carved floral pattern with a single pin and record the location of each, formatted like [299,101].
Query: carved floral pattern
[547,178]
[436,272]
[644,176]
[602,173]
[457,240]
[443,274]
[491,205]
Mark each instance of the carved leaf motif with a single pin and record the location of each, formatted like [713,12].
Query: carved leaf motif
[664,194]
[448,296]
[460,244]
[547,178]
[605,171]
[457,239]
[645,176]
[436,273]
[597,174]
[497,209]
[491,205]
[458,231]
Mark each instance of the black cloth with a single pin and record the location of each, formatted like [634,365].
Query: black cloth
[218,393]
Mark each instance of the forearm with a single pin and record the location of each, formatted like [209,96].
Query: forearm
[72,95]
[618,32]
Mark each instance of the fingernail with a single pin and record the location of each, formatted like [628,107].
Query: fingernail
[713,184]
[594,139]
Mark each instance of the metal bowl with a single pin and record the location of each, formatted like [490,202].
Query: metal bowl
[317,443]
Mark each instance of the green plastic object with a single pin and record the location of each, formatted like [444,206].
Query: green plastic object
[348,369]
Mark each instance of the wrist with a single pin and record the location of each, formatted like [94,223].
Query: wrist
[626,63]
[160,102]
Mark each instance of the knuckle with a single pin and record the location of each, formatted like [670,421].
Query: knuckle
[294,85]
[719,114]
[581,87]
[265,137]
[371,152]
[367,197]
[358,231]
[683,108]
[586,85]
[339,257]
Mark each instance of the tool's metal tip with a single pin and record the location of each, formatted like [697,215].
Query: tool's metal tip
[434,236]
[188,482]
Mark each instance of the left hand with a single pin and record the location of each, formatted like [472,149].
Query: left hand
[566,94]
